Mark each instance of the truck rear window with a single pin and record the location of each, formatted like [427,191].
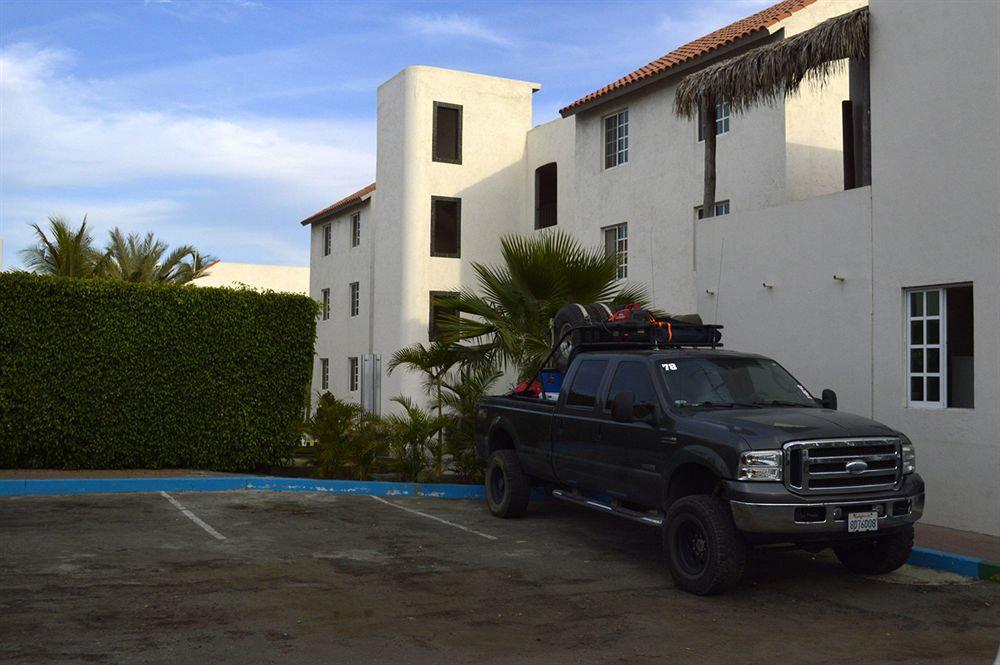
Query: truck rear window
[587,380]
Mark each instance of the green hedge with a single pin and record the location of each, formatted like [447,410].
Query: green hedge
[101,374]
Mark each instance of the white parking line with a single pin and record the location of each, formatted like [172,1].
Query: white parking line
[191,516]
[436,519]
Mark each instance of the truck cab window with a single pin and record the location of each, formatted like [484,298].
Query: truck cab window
[634,377]
[583,392]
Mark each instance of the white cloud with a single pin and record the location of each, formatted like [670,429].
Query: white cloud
[57,131]
[453,25]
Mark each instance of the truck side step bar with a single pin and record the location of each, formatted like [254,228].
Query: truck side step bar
[612,508]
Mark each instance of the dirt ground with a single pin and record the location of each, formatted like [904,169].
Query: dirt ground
[260,577]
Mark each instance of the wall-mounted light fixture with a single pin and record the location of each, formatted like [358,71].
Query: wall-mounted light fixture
[768,285]
[710,292]
[839,278]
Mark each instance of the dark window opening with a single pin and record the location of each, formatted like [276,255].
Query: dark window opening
[587,381]
[327,239]
[634,377]
[447,141]
[352,376]
[446,227]
[440,313]
[856,124]
[545,196]
[960,347]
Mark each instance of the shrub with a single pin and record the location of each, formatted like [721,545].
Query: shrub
[350,442]
[100,374]
[410,435]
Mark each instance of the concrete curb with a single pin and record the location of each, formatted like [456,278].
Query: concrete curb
[920,556]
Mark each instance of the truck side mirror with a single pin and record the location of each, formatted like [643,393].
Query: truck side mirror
[623,407]
[829,400]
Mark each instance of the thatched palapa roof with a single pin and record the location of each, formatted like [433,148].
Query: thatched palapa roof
[774,70]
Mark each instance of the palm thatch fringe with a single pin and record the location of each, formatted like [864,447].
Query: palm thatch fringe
[774,70]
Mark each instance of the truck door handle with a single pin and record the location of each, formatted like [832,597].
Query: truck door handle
[598,432]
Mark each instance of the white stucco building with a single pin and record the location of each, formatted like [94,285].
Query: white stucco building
[886,293]
[286,279]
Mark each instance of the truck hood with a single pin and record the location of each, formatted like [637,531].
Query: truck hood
[765,429]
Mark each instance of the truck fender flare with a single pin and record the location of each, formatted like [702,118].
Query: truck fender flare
[499,424]
[702,456]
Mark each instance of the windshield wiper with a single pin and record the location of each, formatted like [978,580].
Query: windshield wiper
[728,405]
[781,402]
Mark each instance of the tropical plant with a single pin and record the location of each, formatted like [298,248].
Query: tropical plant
[349,441]
[512,313]
[133,258]
[409,436]
[62,251]
[462,390]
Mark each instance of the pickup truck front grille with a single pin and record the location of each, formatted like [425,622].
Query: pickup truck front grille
[832,466]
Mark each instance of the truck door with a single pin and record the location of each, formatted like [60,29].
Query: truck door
[574,426]
[639,445]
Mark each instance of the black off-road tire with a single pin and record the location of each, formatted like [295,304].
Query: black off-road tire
[879,555]
[599,312]
[567,318]
[508,488]
[706,520]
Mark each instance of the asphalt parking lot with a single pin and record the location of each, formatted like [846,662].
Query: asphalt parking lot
[262,577]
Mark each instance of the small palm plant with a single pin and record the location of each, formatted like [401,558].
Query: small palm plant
[63,250]
[410,434]
[462,391]
[350,441]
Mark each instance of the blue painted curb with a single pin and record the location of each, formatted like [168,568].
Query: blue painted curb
[49,486]
[953,563]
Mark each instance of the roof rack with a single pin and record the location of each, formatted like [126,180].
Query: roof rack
[632,334]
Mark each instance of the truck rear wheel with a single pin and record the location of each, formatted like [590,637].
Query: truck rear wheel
[705,553]
[508,488]
[879,555]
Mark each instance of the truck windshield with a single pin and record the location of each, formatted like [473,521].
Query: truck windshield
[732,382]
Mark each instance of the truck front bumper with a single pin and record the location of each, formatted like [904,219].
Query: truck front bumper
[773,511]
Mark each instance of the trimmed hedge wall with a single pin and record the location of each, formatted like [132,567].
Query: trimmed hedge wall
[101,374]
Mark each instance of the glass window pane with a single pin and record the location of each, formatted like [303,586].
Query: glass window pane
[916,361]
[917,388]
[933,389]
[916,332]
[934,360]
[933,330]
[916,303]
[933,308]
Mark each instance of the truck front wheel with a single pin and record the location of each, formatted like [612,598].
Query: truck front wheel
[705,553]
[508,488]
[879,555]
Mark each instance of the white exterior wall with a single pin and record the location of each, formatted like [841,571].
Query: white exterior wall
[342,336]
[936,207]
[289,279]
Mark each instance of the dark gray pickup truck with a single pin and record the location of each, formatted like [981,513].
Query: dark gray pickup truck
[721,450]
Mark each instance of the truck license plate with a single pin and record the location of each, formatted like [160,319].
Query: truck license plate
[857,522]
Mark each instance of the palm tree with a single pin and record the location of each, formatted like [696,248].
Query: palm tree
[63,251]
[133,258]
[433,362]
[350,440]
[519,298]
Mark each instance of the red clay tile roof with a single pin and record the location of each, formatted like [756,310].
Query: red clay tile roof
[710,42]
[342,204]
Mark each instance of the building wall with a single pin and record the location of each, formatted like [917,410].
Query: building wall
[936,210]
[342,336]
[290,279]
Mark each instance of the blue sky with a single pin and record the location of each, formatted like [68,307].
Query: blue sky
[223,123]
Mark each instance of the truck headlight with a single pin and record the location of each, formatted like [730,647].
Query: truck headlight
[761,465]
[909,458]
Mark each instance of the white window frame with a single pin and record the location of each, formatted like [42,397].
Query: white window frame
[621,246]
[355,290]
[353,373]
[324,373]
[619,144]
[941,346]
[723,116]
[355,229]
[699,211]
[326,304]
[327,239]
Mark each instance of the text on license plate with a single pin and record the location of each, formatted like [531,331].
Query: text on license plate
[862,522]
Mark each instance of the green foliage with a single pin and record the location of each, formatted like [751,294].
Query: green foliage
[461,392]
[512,313]
[62,251]
[350,441]
[101,374]
[409,436]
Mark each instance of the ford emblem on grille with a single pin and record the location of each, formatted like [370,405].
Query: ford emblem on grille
[857,467]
